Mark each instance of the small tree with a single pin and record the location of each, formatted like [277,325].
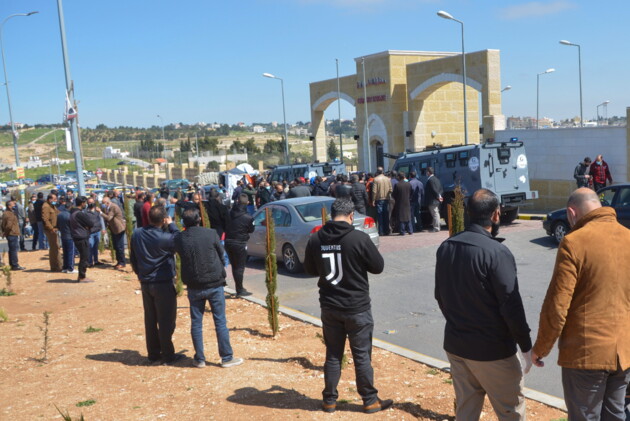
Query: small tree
[205,220]
[129,202]
[179,284]
[333,151]
[457,210]
[271,278]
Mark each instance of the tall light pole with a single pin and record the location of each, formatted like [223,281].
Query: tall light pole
[163,137]
[538,92]
[74,129]
[284,115]
[367,122]
[565,42]
[6,84]
[339,110]
[603,104]
[448,16]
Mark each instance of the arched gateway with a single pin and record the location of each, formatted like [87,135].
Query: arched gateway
[414,99]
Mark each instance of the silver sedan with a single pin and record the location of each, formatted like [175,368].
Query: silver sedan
[295,220]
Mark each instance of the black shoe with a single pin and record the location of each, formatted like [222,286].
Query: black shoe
[379,405]
[90,266]
[329,407]
[243,293]
[18,268]
[174,359]
[99,264]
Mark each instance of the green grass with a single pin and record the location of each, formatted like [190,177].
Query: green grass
[3,315]
[91,329]
[6,293]
[432,371]
[27,136]
[88,402]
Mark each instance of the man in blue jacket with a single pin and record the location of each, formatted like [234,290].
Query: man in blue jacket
[153,260]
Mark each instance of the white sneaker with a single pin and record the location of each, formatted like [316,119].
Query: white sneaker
[232,363]
[74,271]
[65,271]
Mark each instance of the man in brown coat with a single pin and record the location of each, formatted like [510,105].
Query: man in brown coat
[112,214]
[11,231]
[588,307]
[49,219]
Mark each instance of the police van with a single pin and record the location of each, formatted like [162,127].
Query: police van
[291,172]
[499,166]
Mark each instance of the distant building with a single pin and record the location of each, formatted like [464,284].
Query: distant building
[112,153]
[259,129]
[521,123]
[33,162]
[274,124]
[240,124]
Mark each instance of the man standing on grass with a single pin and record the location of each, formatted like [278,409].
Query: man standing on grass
[81,224]
[477,290]
[342,257]
[587,307]
[11,231]
[203,272]
[153,260]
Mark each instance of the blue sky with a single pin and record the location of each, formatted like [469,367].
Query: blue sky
[200,60]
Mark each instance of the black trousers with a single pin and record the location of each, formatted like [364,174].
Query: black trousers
[237,253]
[160,311]
[83,247]
[358,327]
[119,247]
[22,246]
[35,234]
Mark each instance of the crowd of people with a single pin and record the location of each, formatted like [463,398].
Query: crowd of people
[592,174]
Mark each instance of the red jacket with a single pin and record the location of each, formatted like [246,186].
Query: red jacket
[145,213]
[600,173]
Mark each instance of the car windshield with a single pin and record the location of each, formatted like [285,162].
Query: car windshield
[313,211]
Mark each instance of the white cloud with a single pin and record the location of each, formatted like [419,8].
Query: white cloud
[535,9]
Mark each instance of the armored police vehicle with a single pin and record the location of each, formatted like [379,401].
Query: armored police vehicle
[308,170]
[499,166]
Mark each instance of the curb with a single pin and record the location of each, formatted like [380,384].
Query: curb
[532,217]
[535,395]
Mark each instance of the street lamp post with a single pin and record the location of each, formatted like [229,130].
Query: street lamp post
[367,121]
[6,84]
[163,137]
[284,115]
[339,110]
[74,128]
[448,16]
[603,104]
[507,88]
[565,42]
[538,93]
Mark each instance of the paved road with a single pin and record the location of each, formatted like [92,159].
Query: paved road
[402,296]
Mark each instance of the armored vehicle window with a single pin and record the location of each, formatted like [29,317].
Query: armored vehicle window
[463,158]
[327,169]
[423,168]
[504,155]
[450,160]
[403,168]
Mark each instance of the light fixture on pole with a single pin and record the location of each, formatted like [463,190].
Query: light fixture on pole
[74,124]
[284,115]
[6,84]
[367,123]
[538,92]
[565,42]
[507,88]
[446,15]
[339,110]
[605,105]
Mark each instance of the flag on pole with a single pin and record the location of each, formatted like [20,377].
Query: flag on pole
[70,111]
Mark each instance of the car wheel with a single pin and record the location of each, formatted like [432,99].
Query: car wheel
[290,259]
[559,230]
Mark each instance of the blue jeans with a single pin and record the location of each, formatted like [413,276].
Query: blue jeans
[216,298]
[383,216]
[405,226]
[67,247]
[43,241]
[251,209]
[95,239]
[14,245]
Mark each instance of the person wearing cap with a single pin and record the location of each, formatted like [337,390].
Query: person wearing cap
[582,173]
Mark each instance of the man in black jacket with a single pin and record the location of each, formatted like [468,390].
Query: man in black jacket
[153,260]
[217,212]
[203,272]
[477,290]
[434,198]
[359,195]
[81,225]
[342,257]
[236,237]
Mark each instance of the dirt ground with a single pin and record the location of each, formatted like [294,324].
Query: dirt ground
[104,375]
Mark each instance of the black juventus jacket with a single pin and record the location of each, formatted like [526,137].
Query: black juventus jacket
[342,257]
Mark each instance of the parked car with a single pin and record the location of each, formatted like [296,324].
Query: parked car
[295,220]
[617,196]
